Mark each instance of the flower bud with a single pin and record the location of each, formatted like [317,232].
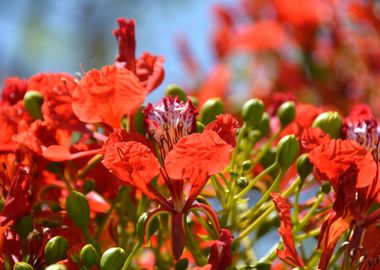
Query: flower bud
[246,165]
[22,266]
[56,250]
[175,90]
[194,100]
[288,150]
[210,109]
[263,125]
[32,102]
[113,258]
[56,266]
[304,167]
[24,226]
[89,256]
[330,123]
[286,113]
[200,127]
[181,264]
[263,266]
[88,186]
[252,111]
[242,182]
[78,209]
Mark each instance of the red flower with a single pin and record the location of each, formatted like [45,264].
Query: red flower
[225,126]
[149,68]
[193,157]
[312,138]
[333,158]
[220,253]
[14,90]
[289,254]
[114,92]
[17,203]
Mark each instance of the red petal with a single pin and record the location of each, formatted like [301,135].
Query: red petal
[312,138]
[289,254]
[150,71]
[264,35]
[57,153]
[17,203]
[225,126]
[198,155]
[133,163]
[331,159]
[97,203]
[107,95]
[220,251]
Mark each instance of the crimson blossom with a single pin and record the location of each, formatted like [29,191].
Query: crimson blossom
[185,161]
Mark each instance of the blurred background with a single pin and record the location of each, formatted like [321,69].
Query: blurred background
[56,36]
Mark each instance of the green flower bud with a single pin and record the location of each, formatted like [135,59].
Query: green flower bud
[32,102]
[304,167]
[56,266]
[286,113]
[288,150]
[175,90]
[22,266]
[252,111]
[263,126]
[78,209]
[210,109]
[113,258]
[194,100]
[242,182]
[89,256]
[56,250]
[24,226]
[326,188]
[246,165]
[138,120]
[330,123]
[88,186]
[200,127]
[263,266]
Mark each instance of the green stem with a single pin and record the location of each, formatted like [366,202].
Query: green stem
[90,165]
[254,181]
[192,246]
[310,213]
[257,222]
[265,148]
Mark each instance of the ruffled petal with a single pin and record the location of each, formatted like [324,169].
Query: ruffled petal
[289,254]
[198,155]
[225,126]
[107,95]
[331,159]
[133,163]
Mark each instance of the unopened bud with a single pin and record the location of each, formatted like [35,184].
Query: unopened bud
[88,186]
[56,266]
[32,102]
[288,150]
[263,266]
[263,126]
[210,109]
[113,258]
[246,165]
[252,111]
[286,113]
[194,100]
[330,123]
[22,266]
[56,250]
[200,127]
[175,90]
[181,264]
[24,226]
[78,209]
[242,182]
[304,167]
[89,256]
[326,188]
